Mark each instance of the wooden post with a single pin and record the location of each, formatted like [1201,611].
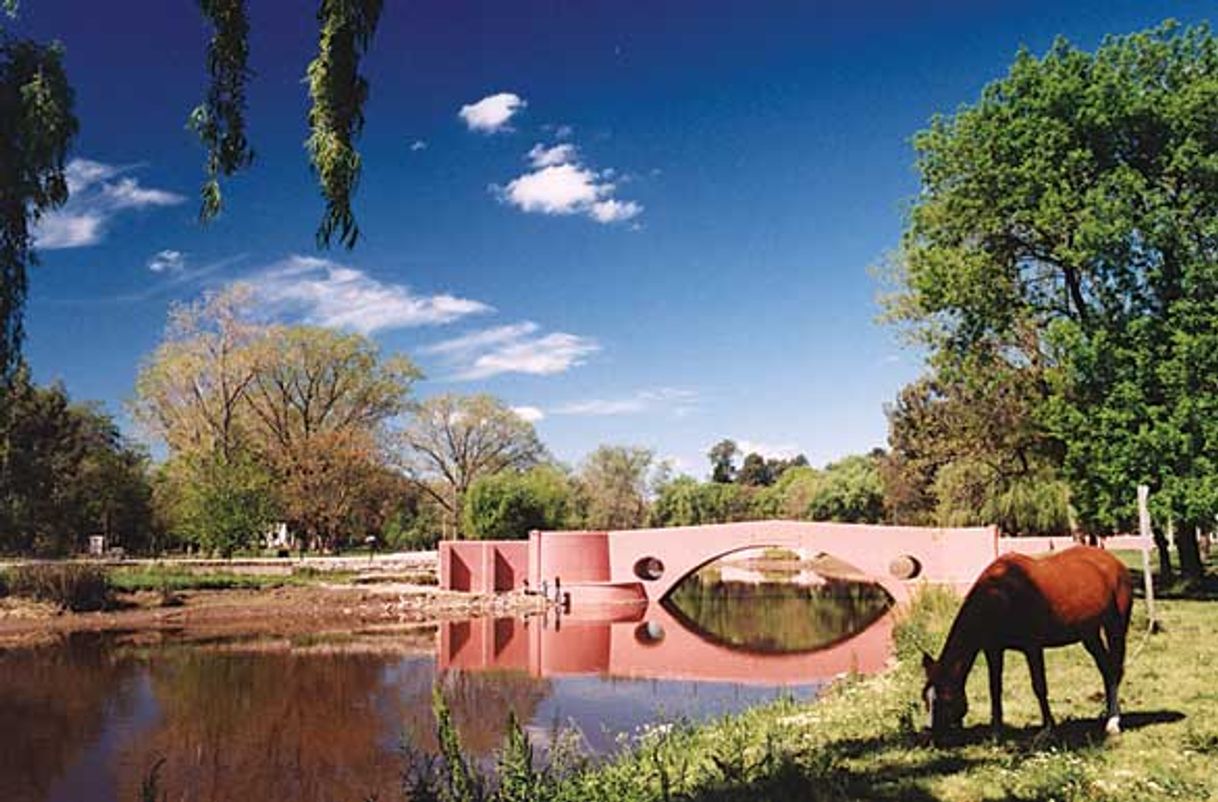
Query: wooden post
[1144,530]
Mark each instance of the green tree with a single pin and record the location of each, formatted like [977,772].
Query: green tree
[613,487]
[37,127]
[684,501]
[219,503]
[66,472]
[1064,232]
[454,440]
[789,496]
[755,471]
[849,490]
[722,456]
[510,504]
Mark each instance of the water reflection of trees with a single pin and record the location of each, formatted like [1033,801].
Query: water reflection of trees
[268,726]
[318,726]
[258,725]
[777,617]
[479,703]
[54,703]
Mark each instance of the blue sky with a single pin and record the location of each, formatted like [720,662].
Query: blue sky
[647,223]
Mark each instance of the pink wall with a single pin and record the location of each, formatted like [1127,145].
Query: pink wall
[483,566]
[572,557]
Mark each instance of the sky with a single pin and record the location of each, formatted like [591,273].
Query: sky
[637,223]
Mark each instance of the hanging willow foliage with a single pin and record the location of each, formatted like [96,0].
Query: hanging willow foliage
[220,119]
[338,92]
[36,129]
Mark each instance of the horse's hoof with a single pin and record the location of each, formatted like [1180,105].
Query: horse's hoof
[1113,726]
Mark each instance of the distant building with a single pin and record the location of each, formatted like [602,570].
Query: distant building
[279,537]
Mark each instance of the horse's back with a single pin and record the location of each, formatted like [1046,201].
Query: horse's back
[1055,597]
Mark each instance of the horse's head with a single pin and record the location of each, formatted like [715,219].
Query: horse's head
[946,703]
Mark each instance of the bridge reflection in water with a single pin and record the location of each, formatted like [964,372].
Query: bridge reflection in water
[668,641]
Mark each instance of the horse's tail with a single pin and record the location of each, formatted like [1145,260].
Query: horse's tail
[1123,595]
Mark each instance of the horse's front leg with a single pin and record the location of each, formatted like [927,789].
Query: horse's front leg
[993,659]
[1036,667]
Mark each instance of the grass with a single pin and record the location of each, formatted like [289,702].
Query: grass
[173,579]
[1178,588]
[78,587]
[862,741]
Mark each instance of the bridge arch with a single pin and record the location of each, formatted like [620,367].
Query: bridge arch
[660,586]
[653,561]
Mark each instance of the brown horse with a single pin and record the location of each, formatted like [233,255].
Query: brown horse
[1028,604]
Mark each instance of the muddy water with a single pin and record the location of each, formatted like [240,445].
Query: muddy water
[270,720]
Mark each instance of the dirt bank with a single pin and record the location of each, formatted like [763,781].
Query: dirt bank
[285,611]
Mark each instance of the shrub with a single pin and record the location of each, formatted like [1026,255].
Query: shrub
[73,586]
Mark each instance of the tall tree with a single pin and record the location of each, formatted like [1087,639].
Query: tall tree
[192,392]
[66,472]
[722,456]
[454,440]
[1065,229]
[614,485]
[320,401]
[755,471]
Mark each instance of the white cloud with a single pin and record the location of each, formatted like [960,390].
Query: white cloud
[418,145]
[768,450]
[513,348]
[93,200]
[530,414]
[479,340]
[541,156]
[84,173]
[679,401]
[128,194]
[615,211]
[560,184]
[536,356]
[325,293]
[491,113]
[167,260]
[557,189]
[61,229]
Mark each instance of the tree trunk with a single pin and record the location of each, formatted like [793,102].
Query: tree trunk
[1190,554]
[1165,569]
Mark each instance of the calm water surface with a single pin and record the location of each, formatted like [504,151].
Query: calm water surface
[269,719]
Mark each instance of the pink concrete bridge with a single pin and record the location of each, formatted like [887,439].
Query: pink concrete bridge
[598,571]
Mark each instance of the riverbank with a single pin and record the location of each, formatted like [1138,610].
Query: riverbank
[258,598]
[863,740]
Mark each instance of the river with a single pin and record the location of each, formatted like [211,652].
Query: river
[272,719]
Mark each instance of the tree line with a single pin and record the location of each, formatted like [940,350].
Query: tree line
[262,424]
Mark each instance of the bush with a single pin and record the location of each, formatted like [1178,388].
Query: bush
[73,586]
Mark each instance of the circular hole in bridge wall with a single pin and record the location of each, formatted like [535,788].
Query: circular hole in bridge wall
[649,568]
[905,567]
[649,633]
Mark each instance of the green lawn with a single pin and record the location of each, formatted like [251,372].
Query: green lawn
[863,741]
